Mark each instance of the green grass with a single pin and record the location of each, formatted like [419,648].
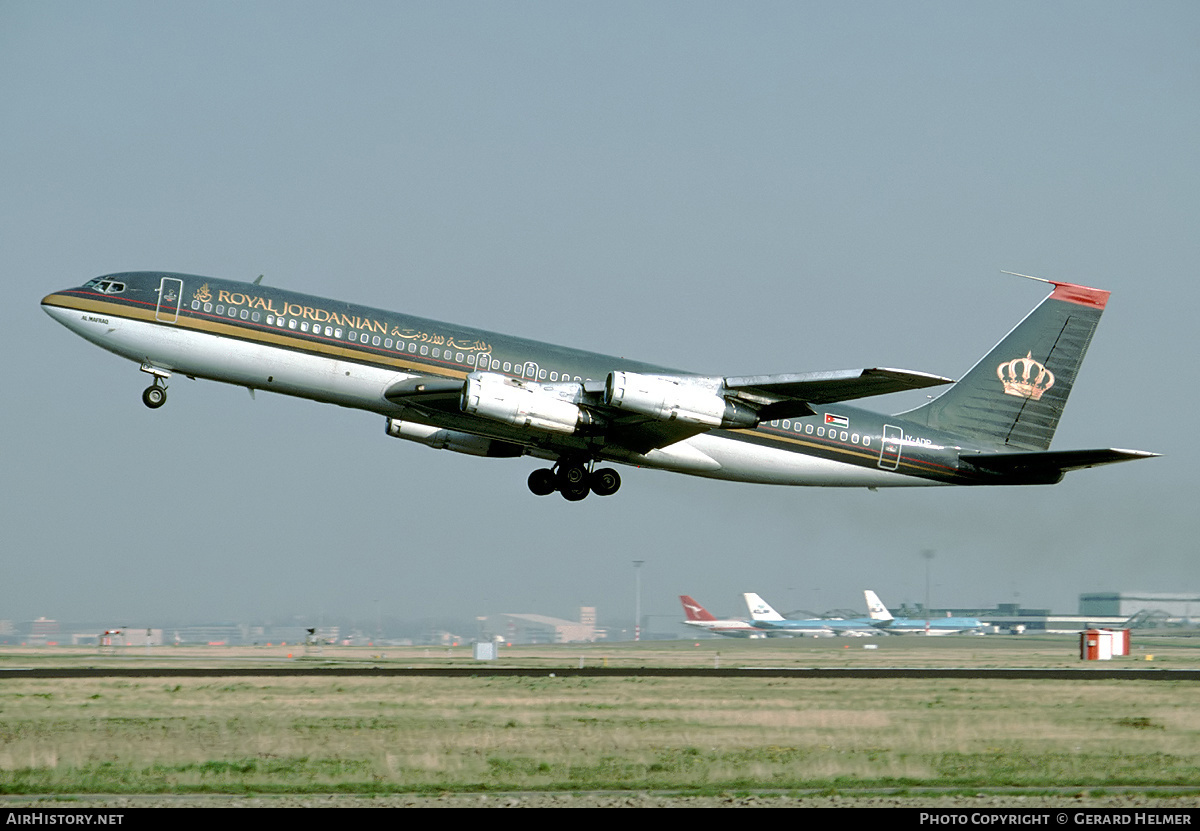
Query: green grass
[385,735]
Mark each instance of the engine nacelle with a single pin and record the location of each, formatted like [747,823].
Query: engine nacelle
[673,399]
[455,440]
[520,403]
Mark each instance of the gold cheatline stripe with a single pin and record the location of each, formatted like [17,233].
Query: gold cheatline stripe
[246,333]
[843,450]
[925,467]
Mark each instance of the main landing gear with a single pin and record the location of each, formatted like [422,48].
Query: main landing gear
[574,480]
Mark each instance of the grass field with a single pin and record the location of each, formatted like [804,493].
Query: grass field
[388,735]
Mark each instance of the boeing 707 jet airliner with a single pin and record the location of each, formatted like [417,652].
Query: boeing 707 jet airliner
[456,388]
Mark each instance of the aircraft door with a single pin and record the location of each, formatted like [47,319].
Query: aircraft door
[889,456]
[170,295]
[530,371]
[483,362]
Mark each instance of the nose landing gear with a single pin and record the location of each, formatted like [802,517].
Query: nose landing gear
[155,395]
[574,480]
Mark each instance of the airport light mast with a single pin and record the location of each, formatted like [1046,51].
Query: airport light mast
[928,555]
[637,599]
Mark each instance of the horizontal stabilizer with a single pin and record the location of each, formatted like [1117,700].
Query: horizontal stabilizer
[785,395]
[1050,463]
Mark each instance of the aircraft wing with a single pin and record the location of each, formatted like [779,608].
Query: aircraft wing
[784,396]
[651,412]
[424,389]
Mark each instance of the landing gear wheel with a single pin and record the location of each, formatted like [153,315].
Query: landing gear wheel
[543,482]
[575,493]
[605,481]
[154,397]
[572,476]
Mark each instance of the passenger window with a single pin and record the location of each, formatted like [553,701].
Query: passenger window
[424,349]
[292,323]
[208,307]
[245,315]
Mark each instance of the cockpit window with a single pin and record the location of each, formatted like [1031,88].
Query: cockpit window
[105,286]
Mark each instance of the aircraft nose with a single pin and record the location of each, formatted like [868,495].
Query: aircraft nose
[52,301]
[59,306]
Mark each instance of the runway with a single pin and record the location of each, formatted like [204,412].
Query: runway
[1006,674]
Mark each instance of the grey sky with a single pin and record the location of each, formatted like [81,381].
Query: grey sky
[733,188]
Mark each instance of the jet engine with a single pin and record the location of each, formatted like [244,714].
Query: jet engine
[521,403]
[676,399]
[455,440]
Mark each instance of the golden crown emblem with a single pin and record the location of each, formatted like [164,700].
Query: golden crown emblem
[1025,377]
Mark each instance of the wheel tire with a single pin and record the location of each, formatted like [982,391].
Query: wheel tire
[605,481]
[542,482]
[575,494]
[154,397]
[572,477]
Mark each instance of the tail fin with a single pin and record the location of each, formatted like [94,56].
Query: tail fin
[875,608]
[693,610]
[1014,397]
[759,608]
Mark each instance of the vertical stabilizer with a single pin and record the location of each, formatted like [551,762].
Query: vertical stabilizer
[693,610]
[875,608]
[759,608]
[1014,397]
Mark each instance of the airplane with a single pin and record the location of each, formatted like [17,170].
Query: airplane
[700,618]
[764,616]
[882,618]
[485,394]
